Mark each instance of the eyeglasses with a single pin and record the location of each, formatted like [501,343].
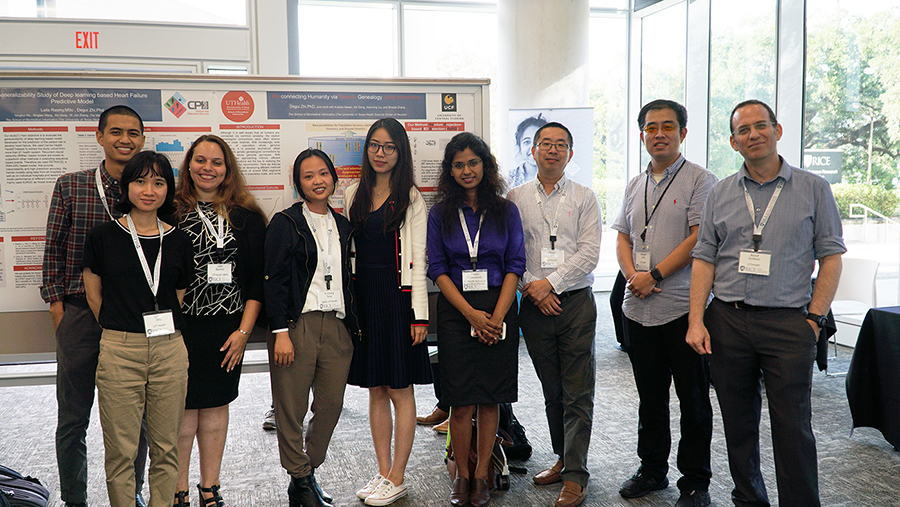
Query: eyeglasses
[546,145]
[388,149]
[475,162]
[760,127]
[654,128]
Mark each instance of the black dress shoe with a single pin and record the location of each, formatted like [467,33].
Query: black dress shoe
[641,484]
[302,493]
[322,494]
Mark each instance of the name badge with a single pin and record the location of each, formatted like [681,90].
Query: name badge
[218,273]
[754,263]
[329,300]
[552,258]
[474,280]
[642,260]
[159,323]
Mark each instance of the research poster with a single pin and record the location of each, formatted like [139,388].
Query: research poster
[48,129]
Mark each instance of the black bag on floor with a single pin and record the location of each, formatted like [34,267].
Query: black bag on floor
[19,491]
[520,450]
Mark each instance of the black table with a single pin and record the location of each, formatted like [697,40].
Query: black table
[873,380]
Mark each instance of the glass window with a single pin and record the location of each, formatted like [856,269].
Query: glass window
[194,12]
[347,39]
[609,4]
[742,56]
[852,124]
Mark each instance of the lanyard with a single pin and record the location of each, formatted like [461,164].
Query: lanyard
[102,193]
[220,236]
[758,229]
[473,246]
[647,216]
[554,226]
[152,279]
[326,256]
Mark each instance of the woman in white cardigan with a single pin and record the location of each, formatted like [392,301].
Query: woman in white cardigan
[388,217]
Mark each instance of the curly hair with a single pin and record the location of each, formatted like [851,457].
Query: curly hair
[232,192]
[451,195]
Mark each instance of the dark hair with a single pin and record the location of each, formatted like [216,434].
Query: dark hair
[532,121]
[557,125]
[232,191]
[305,154]
[143,164]
[122,110]
[452,195]
[751,102]
[400,183]
[680,111]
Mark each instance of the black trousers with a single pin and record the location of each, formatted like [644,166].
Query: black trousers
[616,298]
[779,346]
[659,355]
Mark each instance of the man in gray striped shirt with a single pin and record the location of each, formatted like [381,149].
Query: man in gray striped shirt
[657,229]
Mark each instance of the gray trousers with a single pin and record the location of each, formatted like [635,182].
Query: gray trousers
[322,353]
[77,349]
[779,348]
[562,350]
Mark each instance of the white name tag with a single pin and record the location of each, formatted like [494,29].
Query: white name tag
[474,280]
[642,261]
[329,300]
[754,263]
[552,258]
[218,273]
[159,323]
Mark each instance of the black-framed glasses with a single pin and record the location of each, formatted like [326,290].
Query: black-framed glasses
[546,145]
[759,127]
[475,162]
[388,149]
[665,127]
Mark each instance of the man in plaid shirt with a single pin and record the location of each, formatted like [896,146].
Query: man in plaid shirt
[82,200]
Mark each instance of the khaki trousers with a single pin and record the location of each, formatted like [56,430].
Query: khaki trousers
[322,353]
[134,374]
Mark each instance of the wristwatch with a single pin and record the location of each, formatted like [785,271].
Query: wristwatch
[656,274]
[820,320]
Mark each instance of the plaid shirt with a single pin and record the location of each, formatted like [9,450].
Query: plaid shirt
[74,210]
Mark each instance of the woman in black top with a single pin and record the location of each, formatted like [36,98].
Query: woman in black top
[227,229]
[136,270]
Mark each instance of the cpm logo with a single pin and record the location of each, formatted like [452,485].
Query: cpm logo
[176,105]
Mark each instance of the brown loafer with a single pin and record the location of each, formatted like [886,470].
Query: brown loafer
[459,492]
[481,493]
[550,475]
[437,415]
[442,428]
[571,495]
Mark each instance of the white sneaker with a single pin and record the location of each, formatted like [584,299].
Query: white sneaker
[269,421]
[386,493]
[369,488]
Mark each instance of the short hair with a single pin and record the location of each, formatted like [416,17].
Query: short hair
[655,105]
[143,164]
[751,102]
[305,154]
[532,121]
[553,124]
[121,110]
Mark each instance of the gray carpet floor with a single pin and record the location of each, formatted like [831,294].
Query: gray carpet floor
[855,470]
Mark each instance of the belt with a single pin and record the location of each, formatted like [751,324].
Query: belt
[573,292]
[79,300]
[740,305]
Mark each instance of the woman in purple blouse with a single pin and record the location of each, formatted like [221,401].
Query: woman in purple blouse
[477,268]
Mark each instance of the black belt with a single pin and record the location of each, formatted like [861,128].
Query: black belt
[574,292]
[79,300]
[740,305]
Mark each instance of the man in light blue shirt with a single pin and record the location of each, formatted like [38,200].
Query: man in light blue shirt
[763,229]
[657,229]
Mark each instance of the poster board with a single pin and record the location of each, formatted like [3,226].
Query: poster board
[48,122]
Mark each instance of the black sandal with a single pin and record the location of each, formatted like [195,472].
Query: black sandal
[216,499]
[182,499]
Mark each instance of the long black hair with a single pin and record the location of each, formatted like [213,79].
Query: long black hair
[148,163]
[452,195]
[401,180]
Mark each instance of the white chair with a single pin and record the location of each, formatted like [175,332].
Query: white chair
[854,297]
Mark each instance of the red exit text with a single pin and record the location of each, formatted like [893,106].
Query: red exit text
[86,40]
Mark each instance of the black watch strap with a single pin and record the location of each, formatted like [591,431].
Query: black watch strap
[656,274]
[820,320]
